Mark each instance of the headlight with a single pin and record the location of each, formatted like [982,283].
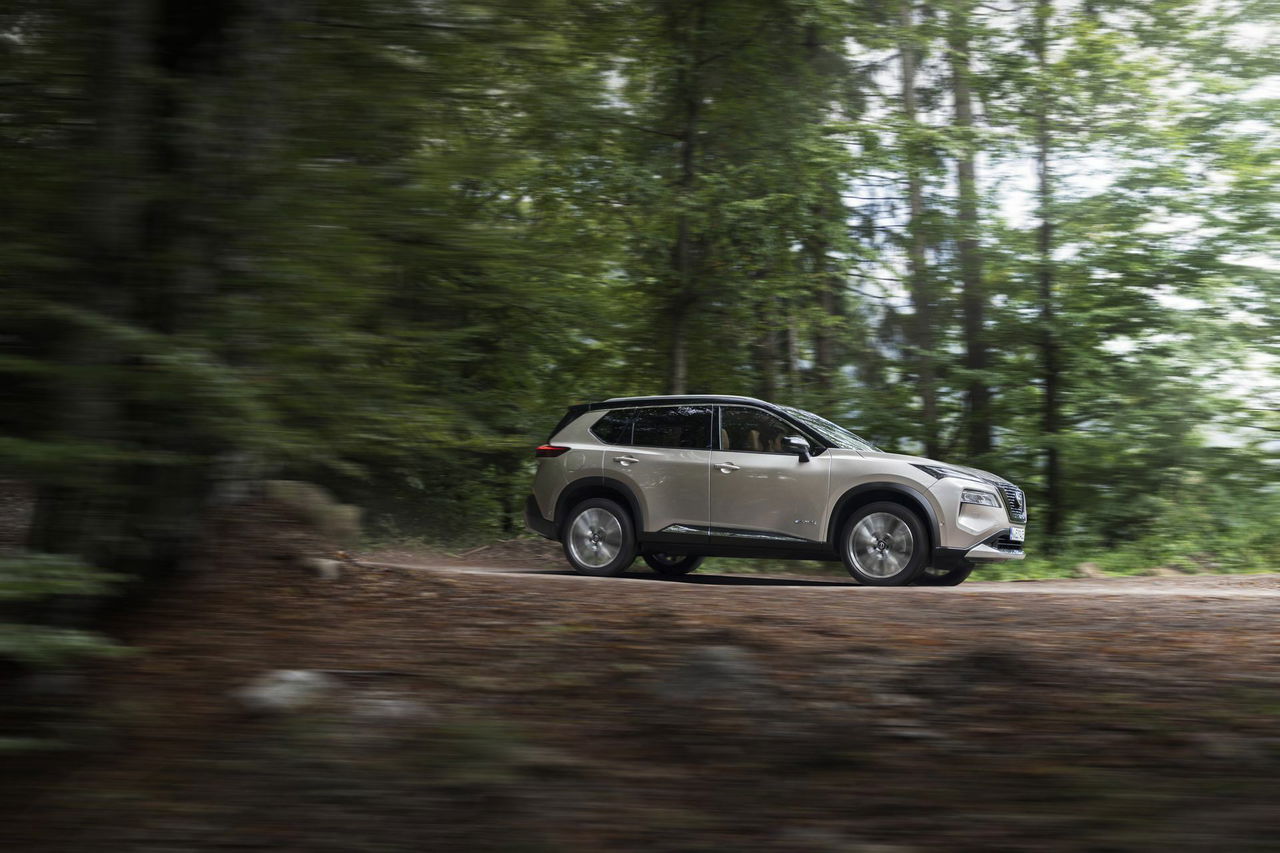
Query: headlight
[973,496]
[940,471]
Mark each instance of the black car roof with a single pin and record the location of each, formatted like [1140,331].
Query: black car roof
[681,398]
[580,409]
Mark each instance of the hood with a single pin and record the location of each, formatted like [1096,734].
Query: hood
[924,460]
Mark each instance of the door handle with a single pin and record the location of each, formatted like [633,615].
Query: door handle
[625,460]
[726,467]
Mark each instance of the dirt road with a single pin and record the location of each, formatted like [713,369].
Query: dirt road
[533,709]
[1198,586]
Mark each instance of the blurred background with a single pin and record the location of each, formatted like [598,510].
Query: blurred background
[381,245]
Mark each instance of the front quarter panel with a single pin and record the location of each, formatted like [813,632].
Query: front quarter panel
[852,470]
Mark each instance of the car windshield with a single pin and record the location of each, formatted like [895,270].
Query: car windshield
[834,435]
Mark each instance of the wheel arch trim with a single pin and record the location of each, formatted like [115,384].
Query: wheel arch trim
[914,496]
[583,489]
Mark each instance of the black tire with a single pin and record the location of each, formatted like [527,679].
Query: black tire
[953,576]
[599,538]
[892,548]
[673,565]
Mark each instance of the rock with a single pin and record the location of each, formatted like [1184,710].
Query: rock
[328,570]
[1089,570]
[711,672]
[338,523]
[342,523]
[284,691]
[388,709]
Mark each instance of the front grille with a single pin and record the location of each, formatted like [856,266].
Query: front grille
[1014,500]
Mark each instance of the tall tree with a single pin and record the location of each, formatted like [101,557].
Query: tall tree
[1051,376]
[918,275]
[978,417]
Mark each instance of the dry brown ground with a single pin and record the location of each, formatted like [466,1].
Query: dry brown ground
[553,712]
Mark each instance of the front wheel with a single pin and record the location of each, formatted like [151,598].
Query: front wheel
[673,565]
[599,538]
[884,544]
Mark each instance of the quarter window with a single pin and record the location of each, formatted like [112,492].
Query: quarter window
[747,429]
[686,427]
[615,426]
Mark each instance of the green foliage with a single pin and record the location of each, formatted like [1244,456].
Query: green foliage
[35,576]
[383,244]
[29,578]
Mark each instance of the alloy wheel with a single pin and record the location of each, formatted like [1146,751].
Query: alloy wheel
[595,537]
[882,545]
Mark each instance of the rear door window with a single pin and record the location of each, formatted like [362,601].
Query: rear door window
[686,427]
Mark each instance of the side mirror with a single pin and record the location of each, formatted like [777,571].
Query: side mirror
[797,445]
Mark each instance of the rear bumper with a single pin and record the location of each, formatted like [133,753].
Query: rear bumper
[534,521]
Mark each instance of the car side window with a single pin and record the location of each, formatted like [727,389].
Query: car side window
[686,427]
[615,426]
[747,429]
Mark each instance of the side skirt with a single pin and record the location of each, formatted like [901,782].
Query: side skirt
[722,542]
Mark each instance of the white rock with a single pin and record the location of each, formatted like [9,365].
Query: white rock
[327,570]
[284,691]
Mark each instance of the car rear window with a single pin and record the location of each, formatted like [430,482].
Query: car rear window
[686,427]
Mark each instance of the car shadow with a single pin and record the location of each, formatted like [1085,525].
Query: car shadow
[736,580]
[714,580]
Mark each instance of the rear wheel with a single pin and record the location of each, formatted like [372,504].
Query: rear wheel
[673,565]
[884,544]
[599,538]
[953,576]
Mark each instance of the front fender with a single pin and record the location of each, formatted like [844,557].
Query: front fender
[921,498]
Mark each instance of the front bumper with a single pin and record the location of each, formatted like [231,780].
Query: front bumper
[534,521]
[998,546]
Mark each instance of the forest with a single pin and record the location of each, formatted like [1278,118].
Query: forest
[382,245]
[372,250]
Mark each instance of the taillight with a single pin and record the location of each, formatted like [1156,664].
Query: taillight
[550,450]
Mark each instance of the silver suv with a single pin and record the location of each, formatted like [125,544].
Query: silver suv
[678,479]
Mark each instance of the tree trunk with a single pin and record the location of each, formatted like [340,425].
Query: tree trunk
[973,296]
[828,282]
[826,342]
[918,279]
[689,95]
[766,354]
[145,265]
[78,518]
[1051,416]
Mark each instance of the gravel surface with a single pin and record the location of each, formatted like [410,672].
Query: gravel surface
[498,706]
